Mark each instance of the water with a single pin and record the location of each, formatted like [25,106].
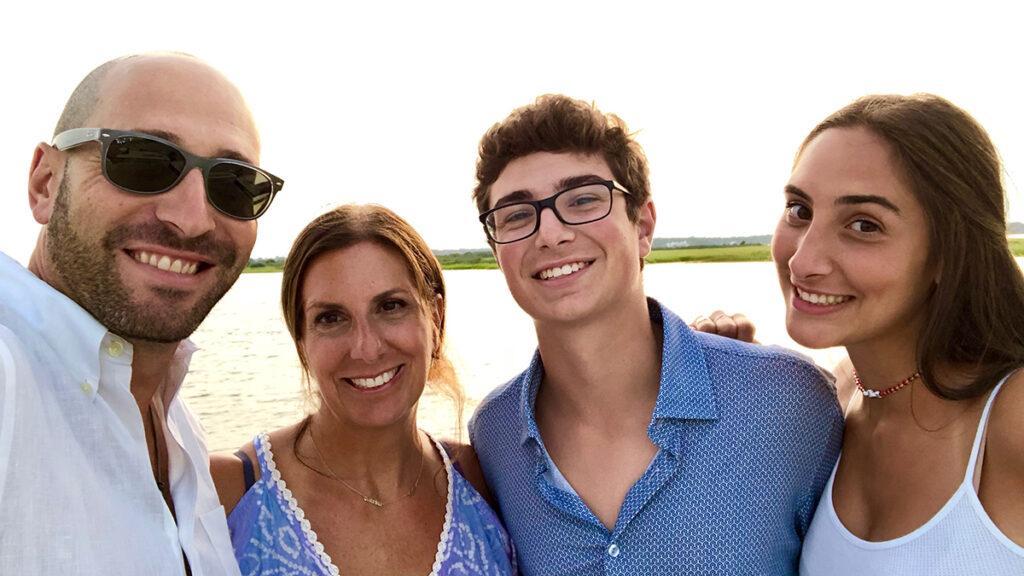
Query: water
[246,376]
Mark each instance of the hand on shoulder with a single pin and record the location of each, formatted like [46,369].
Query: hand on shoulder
[735,326]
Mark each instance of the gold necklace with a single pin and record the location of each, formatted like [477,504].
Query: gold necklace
[368,499]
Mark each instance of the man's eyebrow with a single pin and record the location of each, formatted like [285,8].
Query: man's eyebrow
[222,153]
[563,184]
[512,197]
[573,181]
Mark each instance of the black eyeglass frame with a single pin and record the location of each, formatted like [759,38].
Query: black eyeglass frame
[75,137]
[549,202]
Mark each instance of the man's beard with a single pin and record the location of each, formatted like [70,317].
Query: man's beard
[90,277]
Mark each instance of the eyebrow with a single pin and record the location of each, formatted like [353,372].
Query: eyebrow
[323,304]
[222,153]
[850,199]
[563,184]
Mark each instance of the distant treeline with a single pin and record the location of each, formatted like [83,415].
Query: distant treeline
[692,249]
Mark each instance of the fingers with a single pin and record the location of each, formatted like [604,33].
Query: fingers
[735,326]
[744,328]
[704,324]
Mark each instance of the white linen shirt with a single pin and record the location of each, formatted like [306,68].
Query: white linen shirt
[77,493]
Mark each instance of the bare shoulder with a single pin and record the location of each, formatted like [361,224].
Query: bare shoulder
[229,475]
[1002,475]
[1005,438]
[465,456]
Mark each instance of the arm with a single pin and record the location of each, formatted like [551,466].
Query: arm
[229,478]
[469,464]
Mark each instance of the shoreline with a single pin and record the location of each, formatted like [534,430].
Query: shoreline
[484,259]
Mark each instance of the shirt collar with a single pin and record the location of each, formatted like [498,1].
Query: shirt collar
[685,390]
[66,327]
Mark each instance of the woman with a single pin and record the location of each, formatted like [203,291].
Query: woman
[893,244]
[356,486]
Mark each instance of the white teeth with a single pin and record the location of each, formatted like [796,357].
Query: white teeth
[177,265]
[821,299]
[375,382]
[563,270]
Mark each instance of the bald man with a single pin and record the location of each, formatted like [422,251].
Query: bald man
[103,470]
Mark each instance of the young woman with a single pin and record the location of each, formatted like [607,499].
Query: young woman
[893,244]
[356,487]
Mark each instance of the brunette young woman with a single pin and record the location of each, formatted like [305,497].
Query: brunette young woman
[893,244]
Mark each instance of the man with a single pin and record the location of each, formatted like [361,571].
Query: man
[103,470]
[631,445]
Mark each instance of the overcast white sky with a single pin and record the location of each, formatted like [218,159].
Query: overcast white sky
[386,102]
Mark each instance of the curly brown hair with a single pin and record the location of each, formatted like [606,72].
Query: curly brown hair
[557,123]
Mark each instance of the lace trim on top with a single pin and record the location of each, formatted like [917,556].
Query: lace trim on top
[299,515]
[294,509]
[446,530]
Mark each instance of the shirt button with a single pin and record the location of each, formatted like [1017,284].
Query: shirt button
[613,550]
[86,387]
[115,348]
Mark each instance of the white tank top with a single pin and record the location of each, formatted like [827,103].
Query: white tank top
[960,540]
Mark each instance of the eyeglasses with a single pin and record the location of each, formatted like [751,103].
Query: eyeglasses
[581,204]
[144,164]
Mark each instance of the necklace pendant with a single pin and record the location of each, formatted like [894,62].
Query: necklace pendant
[373,501]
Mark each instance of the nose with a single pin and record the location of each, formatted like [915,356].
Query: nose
[809,252]
[368,344]
[185,206]
[551,231]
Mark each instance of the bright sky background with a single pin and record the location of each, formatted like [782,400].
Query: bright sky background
[385,102]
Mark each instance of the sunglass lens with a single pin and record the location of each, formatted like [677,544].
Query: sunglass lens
[143,165]
[239,190]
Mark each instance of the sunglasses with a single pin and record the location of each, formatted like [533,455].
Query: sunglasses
[144,164]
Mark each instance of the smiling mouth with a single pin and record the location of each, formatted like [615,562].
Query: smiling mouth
[166,263]
[563,270]
[374,381]
[821,299]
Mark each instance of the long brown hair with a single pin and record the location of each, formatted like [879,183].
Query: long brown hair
[975,316]
[352,224]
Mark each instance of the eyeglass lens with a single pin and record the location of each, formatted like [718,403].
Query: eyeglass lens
[574,206]
[147,166]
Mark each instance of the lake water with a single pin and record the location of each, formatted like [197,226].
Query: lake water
[246,377]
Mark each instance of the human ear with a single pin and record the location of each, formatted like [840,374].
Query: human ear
[645,220]
[44,181]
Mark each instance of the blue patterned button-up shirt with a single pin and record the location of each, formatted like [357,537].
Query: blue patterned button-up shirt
[747,436]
